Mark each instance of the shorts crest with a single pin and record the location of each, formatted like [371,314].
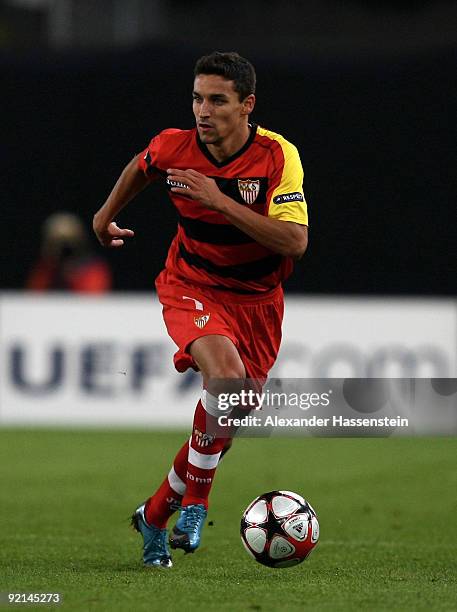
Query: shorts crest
[202,320]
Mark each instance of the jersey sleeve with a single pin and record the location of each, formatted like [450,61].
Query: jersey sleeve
[155,159]
[148,160]
[286,199]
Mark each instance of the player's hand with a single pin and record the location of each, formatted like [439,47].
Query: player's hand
[199,187]
[111,235]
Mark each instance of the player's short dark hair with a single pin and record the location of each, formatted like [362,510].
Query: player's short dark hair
[232,67]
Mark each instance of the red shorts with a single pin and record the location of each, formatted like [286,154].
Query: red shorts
[253,323]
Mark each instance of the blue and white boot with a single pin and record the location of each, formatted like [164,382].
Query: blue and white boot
[187,532]
[155,548]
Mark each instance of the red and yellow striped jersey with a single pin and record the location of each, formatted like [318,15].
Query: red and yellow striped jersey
[265,174]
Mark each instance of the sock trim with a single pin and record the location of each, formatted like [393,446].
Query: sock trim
[175,482]
[204,462]
[211,404]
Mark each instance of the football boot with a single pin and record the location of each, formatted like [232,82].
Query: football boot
[155,547]
[186,533]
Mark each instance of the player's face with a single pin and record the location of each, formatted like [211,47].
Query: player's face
[218,111]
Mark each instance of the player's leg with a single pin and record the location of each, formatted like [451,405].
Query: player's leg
[150,519]
[182,313]
[218,359]
[226,363]
[167,499]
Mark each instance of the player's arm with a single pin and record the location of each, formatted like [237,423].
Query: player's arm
[284,237]
[129,184]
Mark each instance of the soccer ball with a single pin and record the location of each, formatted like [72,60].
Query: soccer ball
[279,529]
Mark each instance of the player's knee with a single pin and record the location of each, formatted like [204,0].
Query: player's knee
[232,371]
[226,369]
[223,375]
[223,380]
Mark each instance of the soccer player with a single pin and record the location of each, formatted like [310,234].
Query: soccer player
[243,220]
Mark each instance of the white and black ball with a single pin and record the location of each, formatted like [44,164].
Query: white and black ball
[279,529]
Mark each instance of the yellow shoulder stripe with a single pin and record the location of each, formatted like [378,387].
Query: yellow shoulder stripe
[287,201]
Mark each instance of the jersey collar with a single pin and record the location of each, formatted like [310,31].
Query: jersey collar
[204,149]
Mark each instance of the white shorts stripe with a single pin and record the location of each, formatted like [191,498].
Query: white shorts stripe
[175,482]
[205,462]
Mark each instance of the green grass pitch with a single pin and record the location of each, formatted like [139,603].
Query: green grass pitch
[387,510]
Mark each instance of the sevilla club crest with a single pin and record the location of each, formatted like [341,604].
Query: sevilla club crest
[249,189]
[202,320]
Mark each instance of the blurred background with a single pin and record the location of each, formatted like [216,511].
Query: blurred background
[366,90]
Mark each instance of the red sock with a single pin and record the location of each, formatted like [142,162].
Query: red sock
[168,496]
[160,506]
[204,454]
